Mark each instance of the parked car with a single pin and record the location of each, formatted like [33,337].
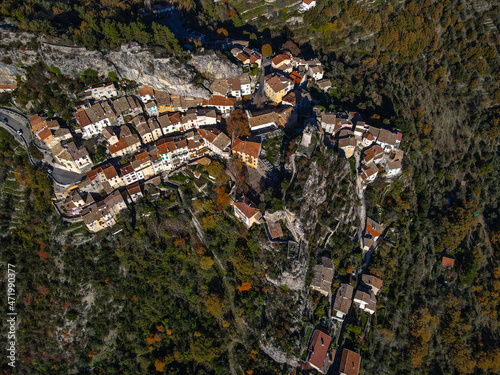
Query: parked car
[20,132]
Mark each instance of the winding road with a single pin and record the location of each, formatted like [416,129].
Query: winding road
[12,121]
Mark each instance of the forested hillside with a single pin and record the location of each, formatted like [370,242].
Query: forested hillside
[164,295]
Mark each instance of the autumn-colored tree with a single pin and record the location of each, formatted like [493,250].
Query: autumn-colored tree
[222,32]
[237,124]
[43,255]
[245,286]
[198,248]
[208,222]
[223,200]
[159,365]
[214,305]
[206,263]
[267,50]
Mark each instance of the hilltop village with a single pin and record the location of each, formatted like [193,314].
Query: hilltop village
[142,140]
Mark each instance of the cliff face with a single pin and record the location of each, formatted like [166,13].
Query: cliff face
[212,66]
[130,62]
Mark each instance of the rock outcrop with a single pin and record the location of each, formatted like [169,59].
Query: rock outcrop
[213,66]
[131,62]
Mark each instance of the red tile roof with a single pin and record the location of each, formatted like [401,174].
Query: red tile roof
[280,59]
[248,211]
[319,348]
[134,189]
[250,148]
[275,230]
[146,90]
[82,118]
[44,134]
[35,120]
[448,262]
[117,147]
[275,83]
[349,364]
[374,228]
[109,171]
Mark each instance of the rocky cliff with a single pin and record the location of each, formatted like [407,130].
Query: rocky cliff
[130,61]
[212,66]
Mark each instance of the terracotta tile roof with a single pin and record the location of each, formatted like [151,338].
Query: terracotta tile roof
[118,146]
[275,230]
[254,58]
[448,262]
[290,98]
[374,228]
[250,148]
[146,90]
[207,134]
[296,77]
[308,2]
[142,157]
[368,170]
[133,189]
[280,59]
[374,152]
[82,118]
[45,133]
[275,83]
[99,85]
[218,100]
[373,281]
[109,171]
[350,362]
[35,120]
[320,343]
[10,86]
[369,136]
[243,57]
[126,169]
[247,210]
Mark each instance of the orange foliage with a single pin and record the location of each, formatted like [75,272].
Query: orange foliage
[223,200]
[159,365]
[151,338]
[198,247]
[159,328]
[222,31]
[179,242]
[169,332]
[43,290]
[244,286]
[43,255]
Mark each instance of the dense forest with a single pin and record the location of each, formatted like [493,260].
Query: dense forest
[158,298]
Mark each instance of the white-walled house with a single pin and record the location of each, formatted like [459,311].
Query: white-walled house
[306,5]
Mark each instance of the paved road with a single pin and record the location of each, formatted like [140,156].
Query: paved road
[16,121]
